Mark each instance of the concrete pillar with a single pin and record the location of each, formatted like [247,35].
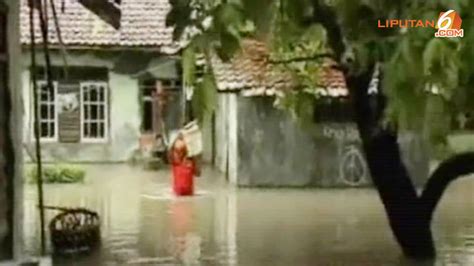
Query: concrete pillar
[10,137]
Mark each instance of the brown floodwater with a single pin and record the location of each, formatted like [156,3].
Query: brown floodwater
[142,223]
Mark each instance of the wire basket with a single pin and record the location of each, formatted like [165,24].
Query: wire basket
[74,231]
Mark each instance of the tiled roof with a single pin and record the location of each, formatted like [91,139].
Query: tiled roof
[333,82]
[142,25]
[251,73]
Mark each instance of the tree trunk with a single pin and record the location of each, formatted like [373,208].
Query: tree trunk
[409,214]
[409,224]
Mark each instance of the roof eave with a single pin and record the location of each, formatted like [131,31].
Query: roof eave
[145,48]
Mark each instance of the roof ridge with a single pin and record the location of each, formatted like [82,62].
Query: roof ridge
[143,23]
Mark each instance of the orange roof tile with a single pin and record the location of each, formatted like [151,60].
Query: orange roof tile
[142,25]
[251,72]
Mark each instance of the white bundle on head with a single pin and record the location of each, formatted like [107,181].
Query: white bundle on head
[193,138]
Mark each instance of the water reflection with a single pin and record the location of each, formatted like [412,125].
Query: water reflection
[185,243]
[143,223]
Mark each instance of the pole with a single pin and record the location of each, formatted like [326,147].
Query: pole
[184,88]
[39,169]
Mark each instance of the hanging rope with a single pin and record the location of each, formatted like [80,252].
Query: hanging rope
[60,38]
[42,6]
[39,165]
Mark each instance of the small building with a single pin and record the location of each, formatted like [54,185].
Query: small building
[257,144]
[121,87]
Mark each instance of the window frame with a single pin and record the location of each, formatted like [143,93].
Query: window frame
[41,83]
[175,85]
[98,83]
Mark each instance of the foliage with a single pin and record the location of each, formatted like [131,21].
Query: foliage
[202,85]
[61,174]
[416,65]
[189,66]
[204,98]
[442,152]
[300,105]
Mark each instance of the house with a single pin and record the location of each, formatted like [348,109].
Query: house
[257,144]
[121,87]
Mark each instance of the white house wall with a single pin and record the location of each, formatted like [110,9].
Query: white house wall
[124,127]
[125,116]
[226,133]
[207,131]
[221,132]
[124,119]
[233,138]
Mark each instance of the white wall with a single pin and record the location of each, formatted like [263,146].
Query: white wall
[233,139]
[124,126]
[125,115]
[226,133]
[207,131]
[124,111]
[221,132]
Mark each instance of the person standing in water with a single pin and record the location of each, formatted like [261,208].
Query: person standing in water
[184,168]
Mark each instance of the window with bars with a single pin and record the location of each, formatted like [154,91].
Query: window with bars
[48,114]
[94,107]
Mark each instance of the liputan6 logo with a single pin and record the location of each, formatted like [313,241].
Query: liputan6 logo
[449,25]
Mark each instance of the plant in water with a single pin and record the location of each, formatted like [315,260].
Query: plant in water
[58,174]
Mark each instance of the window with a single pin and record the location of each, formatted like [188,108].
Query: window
[48,115]
[169,97]
[200,67]
[171,84]
[76,109]
[94,111]
[147,88]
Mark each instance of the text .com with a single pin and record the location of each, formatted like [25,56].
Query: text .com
[448,24]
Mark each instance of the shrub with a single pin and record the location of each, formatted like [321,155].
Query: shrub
[58,174]
[442,152]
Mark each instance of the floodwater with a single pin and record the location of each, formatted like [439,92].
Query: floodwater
[142,223]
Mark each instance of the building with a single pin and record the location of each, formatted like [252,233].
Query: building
[257,144]
[102,105]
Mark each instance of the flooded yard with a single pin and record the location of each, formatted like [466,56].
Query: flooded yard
[144,224]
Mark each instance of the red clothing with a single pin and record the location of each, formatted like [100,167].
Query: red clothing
[184,170]
[183,180]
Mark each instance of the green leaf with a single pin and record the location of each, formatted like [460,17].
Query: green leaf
[229,44]
[179,17]
[189,65]
[431,60]
[205,98]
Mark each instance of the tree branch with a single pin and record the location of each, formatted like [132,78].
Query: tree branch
[327,17]
[449,170]
[301,59]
